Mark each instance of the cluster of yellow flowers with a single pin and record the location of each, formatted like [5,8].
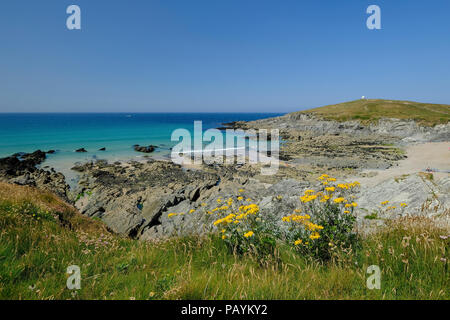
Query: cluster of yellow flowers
[327,193]
[324,177]
[236,216]
[312,226]
[250,209]
[339,200]
[244,211]
[295,218]
[308,197]
[228,219]
[330,192]
[308,225]
[314,236]
[249,234]
[402,205]
[348,186]
[229,202]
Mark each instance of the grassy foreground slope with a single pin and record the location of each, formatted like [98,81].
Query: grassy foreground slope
[370,110]
[40,236]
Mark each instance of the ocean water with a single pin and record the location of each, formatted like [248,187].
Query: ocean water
[117,132]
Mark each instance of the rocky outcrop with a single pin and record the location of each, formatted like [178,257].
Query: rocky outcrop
[81,150]
[310,140]
[145,149]
[21,168]
[135,199]
[130,197]
[420,192]
[314,125]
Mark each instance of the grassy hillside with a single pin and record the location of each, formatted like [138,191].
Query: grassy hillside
[40,236]
[374,109]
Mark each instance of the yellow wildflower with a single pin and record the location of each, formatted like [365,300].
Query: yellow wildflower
[354,184]
[249,234]
[171,214]
[308,198]
[339,200]
[314,236]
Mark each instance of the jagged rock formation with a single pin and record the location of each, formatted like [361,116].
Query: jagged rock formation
[21,169]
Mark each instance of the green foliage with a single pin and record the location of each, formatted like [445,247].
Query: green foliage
[371,216]
[82,194]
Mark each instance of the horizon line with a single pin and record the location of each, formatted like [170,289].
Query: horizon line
[139,112]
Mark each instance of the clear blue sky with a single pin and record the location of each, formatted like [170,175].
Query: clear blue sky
[220,55]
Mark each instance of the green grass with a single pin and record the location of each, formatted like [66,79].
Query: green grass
[34,255]
[371,110]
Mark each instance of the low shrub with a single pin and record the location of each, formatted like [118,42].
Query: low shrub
[328,221]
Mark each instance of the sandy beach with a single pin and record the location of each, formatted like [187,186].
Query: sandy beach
[432,155]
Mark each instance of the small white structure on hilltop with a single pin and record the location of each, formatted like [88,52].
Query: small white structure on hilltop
[363,98]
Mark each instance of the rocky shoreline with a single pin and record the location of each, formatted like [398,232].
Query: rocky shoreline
[21,169]
[135,198]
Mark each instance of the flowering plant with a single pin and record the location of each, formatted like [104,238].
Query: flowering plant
[328,220]
[243,227]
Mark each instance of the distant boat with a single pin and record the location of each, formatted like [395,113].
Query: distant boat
[128,116]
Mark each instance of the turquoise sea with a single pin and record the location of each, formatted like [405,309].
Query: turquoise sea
[117,132]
